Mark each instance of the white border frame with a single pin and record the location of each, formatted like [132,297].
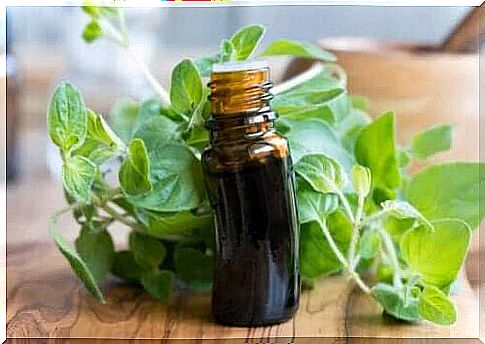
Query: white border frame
[155,4]
[208,3]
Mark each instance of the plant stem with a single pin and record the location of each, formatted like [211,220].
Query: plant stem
[117,216]
[197,112]
[114,214]
[375,217]
[298,80]
[162,93]
[339,73]
[122,39]
[112,33]
[341,258]
[55,217]
[360,209]
[385,256]
[393,260]
[346,204]
[309,74]
[356,226]
[355,262]
[121,20]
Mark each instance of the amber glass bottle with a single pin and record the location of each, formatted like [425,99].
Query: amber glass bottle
[250,182]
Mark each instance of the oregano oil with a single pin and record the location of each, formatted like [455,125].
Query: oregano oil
[250,181]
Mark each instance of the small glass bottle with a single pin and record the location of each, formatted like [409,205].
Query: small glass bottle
[250,181]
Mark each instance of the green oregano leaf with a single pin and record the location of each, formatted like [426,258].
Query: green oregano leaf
[404,158]
[397,226]
[350,127]
[449,190]
[77,177]
[313,205]
[438,255]
[227,50]
[361,179]
[246,40]
[384,273]
[177,180]
[134,172]
[435,306]
[194,267]
[158,284]
[100,131]
[320,97]
[179,223]
[359,102]
[101,143]
[90,9]
[431,141]
[316,256]
[314,136]
[322,173]
[125,267]
[95,246]
[376,149]
[147,251]
[298,49]
[204,65]
[109,11]
[124,118]
[156,132]
[404,210]
[78,265]
[369,244]
[67,118]
[186,89]
[394,304]
[92,31]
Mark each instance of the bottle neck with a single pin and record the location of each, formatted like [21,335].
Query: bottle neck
[244,126]
[240,105]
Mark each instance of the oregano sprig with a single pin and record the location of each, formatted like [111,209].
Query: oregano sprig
[101,25]
[358,205]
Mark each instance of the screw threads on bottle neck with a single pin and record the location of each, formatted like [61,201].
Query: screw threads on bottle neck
[240,91]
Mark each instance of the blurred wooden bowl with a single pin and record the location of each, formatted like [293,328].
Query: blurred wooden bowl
[423,86]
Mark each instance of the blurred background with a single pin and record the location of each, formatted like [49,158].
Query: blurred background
[422,62]
[45,46]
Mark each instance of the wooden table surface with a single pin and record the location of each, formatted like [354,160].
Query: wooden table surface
[46,300]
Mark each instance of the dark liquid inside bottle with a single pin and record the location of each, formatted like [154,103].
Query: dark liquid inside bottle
[256,278]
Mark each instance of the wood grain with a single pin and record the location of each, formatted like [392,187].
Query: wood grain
[46,300]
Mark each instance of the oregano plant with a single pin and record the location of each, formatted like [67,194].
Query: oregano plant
[361,212]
